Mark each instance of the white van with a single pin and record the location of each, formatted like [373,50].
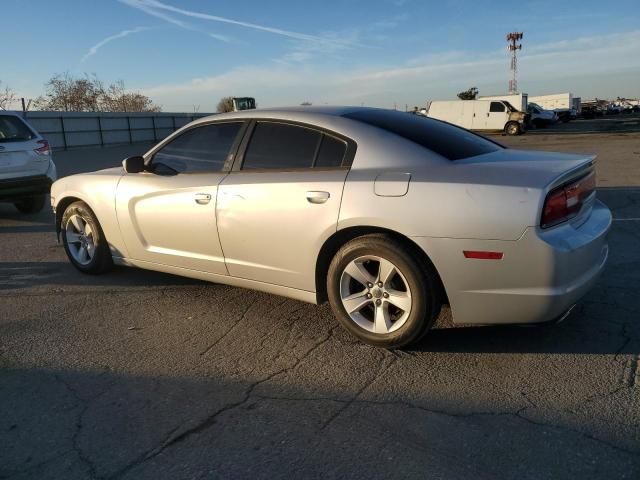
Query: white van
[481,115]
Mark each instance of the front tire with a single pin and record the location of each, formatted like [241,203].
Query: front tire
[512,129]
[31,205]
[84,241]
[381,293]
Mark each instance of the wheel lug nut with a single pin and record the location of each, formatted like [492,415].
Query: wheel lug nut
[385,295]
[369,285]
[378,302]
[369,295]
[380,284]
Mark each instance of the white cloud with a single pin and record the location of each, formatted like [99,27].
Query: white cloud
[545,68]
[154,7]
[124,33]
[222,38]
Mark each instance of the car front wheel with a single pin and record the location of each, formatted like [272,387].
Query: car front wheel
[381,293]
[83,239]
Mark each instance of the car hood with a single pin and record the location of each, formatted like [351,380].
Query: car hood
[523,168]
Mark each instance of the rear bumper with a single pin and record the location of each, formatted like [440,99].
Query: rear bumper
[16,188]
[540,276]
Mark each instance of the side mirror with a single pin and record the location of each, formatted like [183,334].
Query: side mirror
[133,164]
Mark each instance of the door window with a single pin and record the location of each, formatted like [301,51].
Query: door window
[278,145]
[496,107]
[198,150]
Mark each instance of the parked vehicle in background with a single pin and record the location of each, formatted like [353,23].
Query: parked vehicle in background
[26,165]
[564,104]
[519,100]
[540,117]
[480,115]
[243,103]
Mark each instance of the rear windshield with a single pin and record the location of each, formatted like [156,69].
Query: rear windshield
[12,129]
[451,142]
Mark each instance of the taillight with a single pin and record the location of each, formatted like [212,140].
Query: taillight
[45,149]
[565,202]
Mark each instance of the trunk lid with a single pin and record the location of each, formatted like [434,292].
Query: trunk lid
[524,168]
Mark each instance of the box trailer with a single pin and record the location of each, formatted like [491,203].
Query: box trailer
[564,104]
[481,115]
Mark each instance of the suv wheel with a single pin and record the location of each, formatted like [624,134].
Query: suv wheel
[380,293]
[32,204]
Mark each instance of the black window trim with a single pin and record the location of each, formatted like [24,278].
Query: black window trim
[230,157]
[347,160]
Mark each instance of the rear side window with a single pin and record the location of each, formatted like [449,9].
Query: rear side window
[497,107]
[450,141]
[12,129]
[278,145]
[331,153]
[198,150]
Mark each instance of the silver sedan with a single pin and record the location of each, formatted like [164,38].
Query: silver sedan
[386,215]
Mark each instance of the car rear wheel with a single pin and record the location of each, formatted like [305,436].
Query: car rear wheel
[381,293]
[31,205]
[83,239]
[512,128]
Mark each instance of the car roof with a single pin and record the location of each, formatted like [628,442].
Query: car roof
[308,112]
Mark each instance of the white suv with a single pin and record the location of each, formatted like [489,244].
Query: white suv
[26,167]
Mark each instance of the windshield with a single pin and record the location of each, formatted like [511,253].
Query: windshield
[12,129]
[450,141]
[510,107]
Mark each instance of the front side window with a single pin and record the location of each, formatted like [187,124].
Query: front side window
[497,107]
[281,146]
[12,129]
[199,150]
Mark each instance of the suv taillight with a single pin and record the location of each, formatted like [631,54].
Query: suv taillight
[564,203]
[45,149]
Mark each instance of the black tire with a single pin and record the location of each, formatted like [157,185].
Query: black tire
[32,204]
[421,280]
[512,129]
[101,261]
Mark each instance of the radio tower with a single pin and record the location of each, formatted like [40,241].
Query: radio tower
[513,48]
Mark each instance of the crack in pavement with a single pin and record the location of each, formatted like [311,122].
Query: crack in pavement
[210,420]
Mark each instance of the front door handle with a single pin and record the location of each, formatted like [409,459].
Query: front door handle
[203,198]
[317,197]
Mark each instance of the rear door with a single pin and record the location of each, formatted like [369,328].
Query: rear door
[18,149]
[167,215]
[281,202]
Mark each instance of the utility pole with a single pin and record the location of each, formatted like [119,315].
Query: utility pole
[513,47]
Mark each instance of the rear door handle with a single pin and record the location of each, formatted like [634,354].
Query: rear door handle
[203,198]
[317,196]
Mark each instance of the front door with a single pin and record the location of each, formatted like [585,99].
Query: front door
[275,212]
[497,116]
[167,214]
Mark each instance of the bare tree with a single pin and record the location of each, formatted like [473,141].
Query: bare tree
[7,97]
[225,105]
[88,94]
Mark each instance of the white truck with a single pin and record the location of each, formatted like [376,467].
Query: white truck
[518,100]
[564,104]
[480,115]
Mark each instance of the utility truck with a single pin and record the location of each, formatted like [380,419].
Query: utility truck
[564,104]
[480,115]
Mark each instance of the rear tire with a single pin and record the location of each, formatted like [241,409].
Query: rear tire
[84,241]
[512,129]
[391,296]
[32,204]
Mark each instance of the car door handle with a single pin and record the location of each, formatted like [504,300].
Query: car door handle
[317,197]
[203,198]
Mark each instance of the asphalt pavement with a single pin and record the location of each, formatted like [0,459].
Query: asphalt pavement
[141,375]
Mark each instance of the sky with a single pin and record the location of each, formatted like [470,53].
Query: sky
[187,54]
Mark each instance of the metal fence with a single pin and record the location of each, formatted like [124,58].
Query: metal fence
[65,130]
